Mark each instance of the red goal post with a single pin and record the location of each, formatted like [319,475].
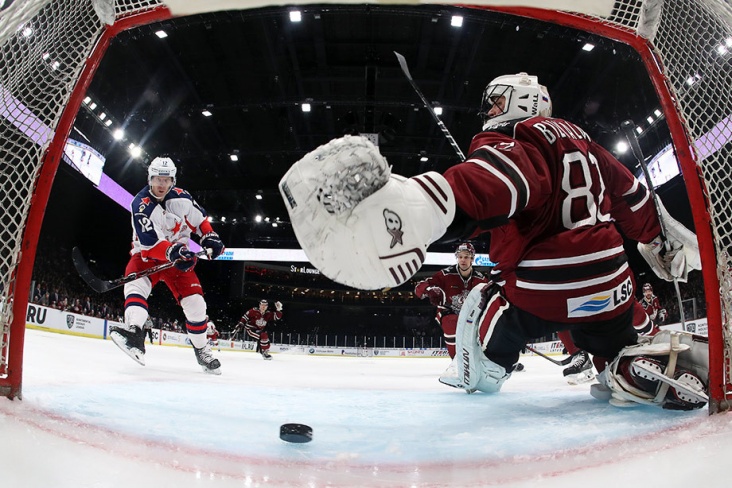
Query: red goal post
[50,49]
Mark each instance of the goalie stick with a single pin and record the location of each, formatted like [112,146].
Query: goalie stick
[629,128]
[428,106]
[101,286]
[563,362]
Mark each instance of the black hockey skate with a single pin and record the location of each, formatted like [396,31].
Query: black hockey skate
[579,369]
[209,363]
[266,355]
[131,342]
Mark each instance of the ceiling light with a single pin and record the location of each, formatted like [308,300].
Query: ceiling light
[657,113]
[621,147]
[639,129]
[118,134]
[305,107]
[234,157]
[588,47]
[108,122]
[135,151]
[223,219]
[295,16]
[438,110]
[424,159]
[87,100]
[206,113]
[266,219]
[92,105]
[258,196]
[102,116]
[649,119]
[258,218]
[457,21]
[161,34]
[274,224]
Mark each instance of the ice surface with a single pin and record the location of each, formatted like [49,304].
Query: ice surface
[90,416]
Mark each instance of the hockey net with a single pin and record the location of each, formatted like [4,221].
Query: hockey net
[50,50]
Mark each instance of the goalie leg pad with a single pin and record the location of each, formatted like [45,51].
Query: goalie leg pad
[669,372]
[475,372]
[357,223]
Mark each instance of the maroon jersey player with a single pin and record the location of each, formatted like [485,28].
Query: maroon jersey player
[254,322]
[447,290]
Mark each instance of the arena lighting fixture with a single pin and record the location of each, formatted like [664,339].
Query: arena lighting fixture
[92,105]
[649,119]
[102,116]
[657,113]
[234,157]
[161,34]
[87,100]
[135,151]
[108,122]
[258,218]
[588,47]
[438,110]
[424,159]
[639,129]
[295,16]
[118,134]
[305,107]
[206,113]
[621,147]
[456,21]
[258,196]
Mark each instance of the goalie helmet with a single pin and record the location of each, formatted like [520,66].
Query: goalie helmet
[465,247]
[161,167]
[524,97]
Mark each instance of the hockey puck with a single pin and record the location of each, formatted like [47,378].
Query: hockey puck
[298,433]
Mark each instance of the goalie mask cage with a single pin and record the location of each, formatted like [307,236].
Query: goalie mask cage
[50,50]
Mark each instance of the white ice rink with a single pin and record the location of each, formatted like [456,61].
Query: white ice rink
[91,417]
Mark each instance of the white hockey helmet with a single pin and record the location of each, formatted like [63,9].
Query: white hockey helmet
[161,167]
[524,97]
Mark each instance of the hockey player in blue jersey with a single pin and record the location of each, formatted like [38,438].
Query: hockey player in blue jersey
[164,217]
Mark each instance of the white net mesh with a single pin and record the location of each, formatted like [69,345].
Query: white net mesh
[44,44]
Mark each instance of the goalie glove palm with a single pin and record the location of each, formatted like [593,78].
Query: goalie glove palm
[357,223]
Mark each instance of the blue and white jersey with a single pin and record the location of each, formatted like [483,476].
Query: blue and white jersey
[157,225]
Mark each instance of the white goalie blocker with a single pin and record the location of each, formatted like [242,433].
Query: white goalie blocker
[681,258]
[359,224]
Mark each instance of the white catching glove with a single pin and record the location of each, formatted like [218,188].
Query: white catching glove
[278,306]
[357,223]
[676,262]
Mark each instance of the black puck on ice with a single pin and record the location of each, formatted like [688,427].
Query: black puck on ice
[298,433]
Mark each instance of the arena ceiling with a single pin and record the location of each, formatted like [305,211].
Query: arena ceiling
[253,70]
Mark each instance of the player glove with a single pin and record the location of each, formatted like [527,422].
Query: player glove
[184,258]
[213,242]
[436,296]
[278,306]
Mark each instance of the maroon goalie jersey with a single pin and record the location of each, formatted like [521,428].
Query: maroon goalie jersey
[456,288]
[551,199]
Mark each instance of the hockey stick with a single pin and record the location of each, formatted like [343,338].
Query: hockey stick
[563,362]
[629,128]
[428,106]
[102,286]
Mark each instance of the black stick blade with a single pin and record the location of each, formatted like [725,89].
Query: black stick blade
[99,286]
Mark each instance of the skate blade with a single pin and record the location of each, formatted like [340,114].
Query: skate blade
[580,378]
[119,341]
[216,371]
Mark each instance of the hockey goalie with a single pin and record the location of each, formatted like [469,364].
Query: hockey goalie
[554,203]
